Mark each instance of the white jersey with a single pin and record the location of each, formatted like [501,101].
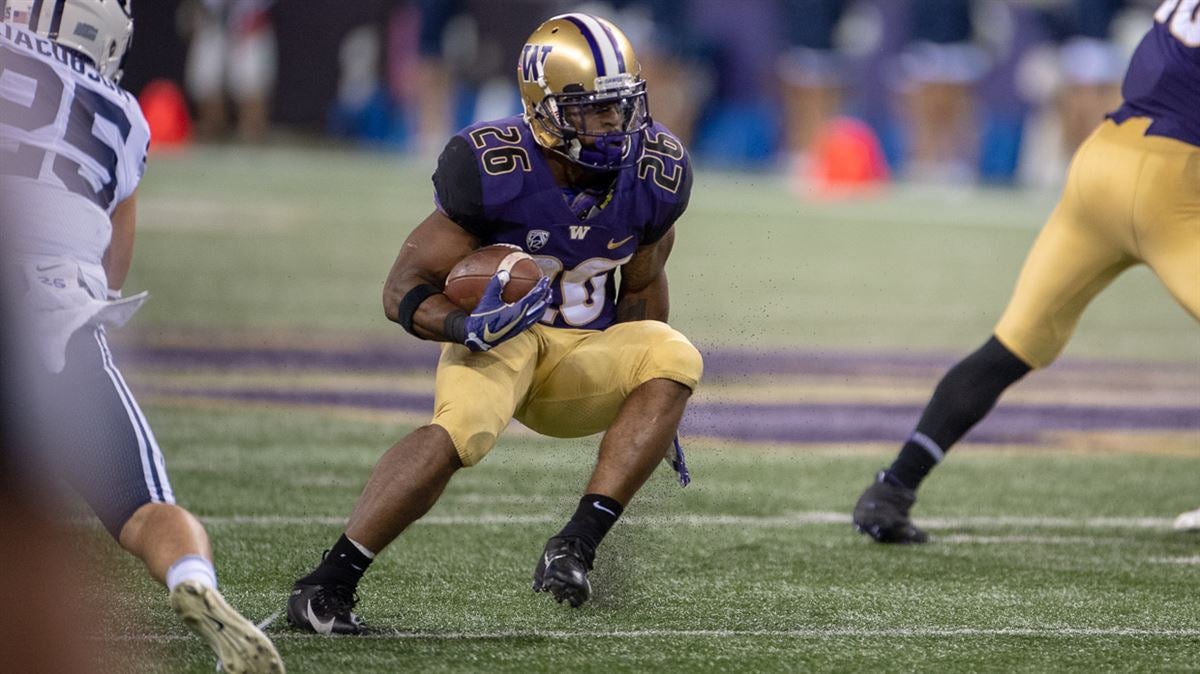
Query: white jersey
[72,147]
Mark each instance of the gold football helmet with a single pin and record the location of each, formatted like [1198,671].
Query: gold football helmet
[583,92]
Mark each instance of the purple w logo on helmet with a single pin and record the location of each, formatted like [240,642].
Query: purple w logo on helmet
[582,91]
[533,59]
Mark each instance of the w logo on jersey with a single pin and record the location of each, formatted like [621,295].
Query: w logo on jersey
[579,231]
[533,58]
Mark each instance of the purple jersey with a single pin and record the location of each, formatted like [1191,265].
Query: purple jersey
[493,180]
[1163,81]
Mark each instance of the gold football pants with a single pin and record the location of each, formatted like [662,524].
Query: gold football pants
[560,382]
[1129,199]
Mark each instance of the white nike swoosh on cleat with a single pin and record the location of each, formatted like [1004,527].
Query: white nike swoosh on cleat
[317,625]
[597,506]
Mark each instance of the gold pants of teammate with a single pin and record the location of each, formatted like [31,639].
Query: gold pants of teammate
[557,381]
[1129,199]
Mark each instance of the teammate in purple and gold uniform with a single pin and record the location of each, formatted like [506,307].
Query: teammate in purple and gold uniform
[1132,197]
[588,184]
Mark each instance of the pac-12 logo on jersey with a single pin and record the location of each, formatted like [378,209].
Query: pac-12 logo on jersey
[533,60]
[536,239]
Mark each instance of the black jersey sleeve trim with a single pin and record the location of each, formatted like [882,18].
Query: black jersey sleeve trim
[459,187]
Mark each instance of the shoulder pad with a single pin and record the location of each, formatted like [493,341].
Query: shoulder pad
[502,150]
[665,165]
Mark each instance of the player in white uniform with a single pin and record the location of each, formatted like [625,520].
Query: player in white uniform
[72,151]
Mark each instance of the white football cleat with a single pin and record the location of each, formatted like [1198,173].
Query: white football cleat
[239,645]
[1189,521]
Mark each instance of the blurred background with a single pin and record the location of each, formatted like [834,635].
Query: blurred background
[835,93]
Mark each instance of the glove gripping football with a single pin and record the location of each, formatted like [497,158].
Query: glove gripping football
[494,321]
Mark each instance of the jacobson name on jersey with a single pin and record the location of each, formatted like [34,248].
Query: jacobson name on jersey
[72,147]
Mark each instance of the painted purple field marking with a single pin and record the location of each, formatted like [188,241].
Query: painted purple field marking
[718,363]
[820,423]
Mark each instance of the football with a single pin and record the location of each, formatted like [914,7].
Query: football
[467,280]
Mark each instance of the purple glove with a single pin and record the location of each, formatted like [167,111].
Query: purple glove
[493,321]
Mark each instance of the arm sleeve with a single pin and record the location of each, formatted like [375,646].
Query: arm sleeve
[458,187]
[669,211]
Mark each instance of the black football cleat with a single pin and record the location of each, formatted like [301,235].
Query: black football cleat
[324,609]
[882,513]
[562,570]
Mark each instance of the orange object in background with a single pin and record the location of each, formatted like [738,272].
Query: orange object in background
[166,111]
[847,160]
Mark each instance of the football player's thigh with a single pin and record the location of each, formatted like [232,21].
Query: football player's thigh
[1082,247]
[581,392]
[1168,223]
[476,393]
[99,438]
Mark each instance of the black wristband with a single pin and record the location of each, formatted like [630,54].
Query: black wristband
[411,302]
[455,326]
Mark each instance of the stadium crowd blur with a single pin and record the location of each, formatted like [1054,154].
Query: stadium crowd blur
[943,91]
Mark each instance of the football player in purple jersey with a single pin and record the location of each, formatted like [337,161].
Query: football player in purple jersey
[587,184]
[1132,197]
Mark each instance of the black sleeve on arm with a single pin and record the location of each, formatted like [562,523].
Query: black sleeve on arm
[667,213]
[459,187]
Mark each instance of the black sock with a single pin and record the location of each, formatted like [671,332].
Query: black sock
[963,397]
[592,519]
[344,564]
[912,465]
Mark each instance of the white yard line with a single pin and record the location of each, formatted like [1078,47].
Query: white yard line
[967,539]
[803,633]
[795,519]
[1182,561]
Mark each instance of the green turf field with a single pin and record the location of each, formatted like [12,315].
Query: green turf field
[1050,554]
